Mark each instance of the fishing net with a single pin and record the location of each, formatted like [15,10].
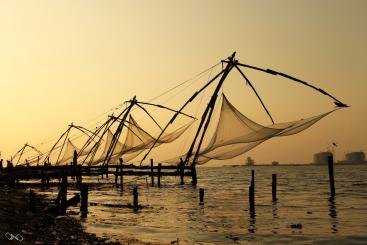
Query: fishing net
[135,141]
[236,134]
[68,154]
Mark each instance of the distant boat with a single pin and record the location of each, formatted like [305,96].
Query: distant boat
[274,163]
[250,161]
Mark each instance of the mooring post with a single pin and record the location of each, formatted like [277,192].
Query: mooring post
[182,171]
[151,171]
[32,201]
[107,171]
[64,190]
[274,187]
[201,195]
[135,201]
[331,174]
[84,201]
[159,174]
[193,173]
[252,191]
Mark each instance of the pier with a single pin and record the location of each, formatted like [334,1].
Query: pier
[119,170]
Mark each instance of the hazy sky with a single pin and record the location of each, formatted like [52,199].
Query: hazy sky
[71,61]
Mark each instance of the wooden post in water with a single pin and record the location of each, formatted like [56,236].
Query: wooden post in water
[274,187]
[331,175]
[1,165]
[121,174]
[64,190]
[201,195]
[32,201]
[182,171]
[135,200]
[84,201]
[252,191]
[107,171]
[151,171]
[159,174]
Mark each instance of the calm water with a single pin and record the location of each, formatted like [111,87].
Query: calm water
[173,211]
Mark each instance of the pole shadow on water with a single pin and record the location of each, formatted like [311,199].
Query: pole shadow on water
[333,214]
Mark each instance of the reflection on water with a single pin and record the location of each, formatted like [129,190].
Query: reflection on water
[252,221]
[274,209]
[173,212]
[333,214]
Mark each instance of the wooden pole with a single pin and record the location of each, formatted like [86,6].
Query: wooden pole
[331,175]
[64,186]
[106,170]
[274,187]
[135,200]
[182,171]
[201,194]
[252,191]
[84,203]
[151,172]
[159,174]
[121,175]
[32,201]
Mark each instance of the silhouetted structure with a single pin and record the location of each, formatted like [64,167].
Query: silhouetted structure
[355,157]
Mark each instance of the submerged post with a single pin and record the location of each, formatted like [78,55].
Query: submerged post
[252,192]
[32,201]
[274,187]
[84,203]
[135,201]
[331,174]
[64,190]
[201,195]
[151,171]
[159,174]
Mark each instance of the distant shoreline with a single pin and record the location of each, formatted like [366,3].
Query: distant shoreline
[285,164]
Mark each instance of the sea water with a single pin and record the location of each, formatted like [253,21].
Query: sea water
[173,213]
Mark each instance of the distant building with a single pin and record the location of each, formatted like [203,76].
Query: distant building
[355,157]
[275,163]
[321,157]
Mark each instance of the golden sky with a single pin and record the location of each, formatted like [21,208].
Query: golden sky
[71,61]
